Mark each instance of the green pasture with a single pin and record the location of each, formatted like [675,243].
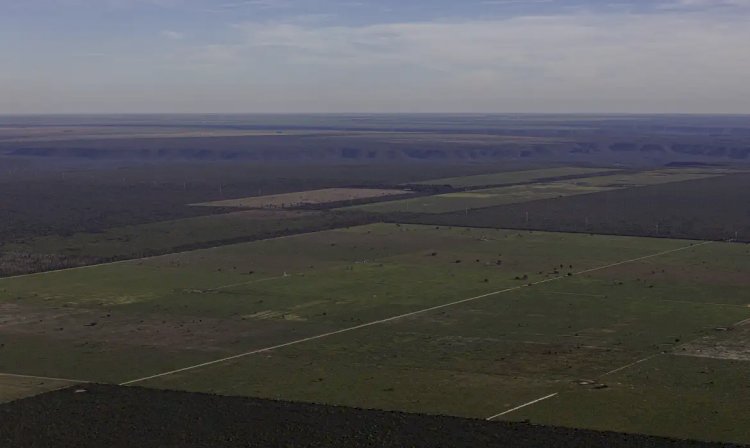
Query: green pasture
[557,313]
[686,397]
[13,388]
[514,177]
[484,198]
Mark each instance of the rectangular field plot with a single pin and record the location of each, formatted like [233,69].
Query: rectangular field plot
[154,238]
[478,358]
[656,177]
[182,309]
[453,202]
[492,197]
[466,322]
[514,177]
[289,200]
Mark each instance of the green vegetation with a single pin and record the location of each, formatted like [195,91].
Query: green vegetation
[143,240]
[696,398]
[134,319]
[655,177]
[622,333]
[484,198]
[469,200]
[302,198]
[712,208]
[13,387]
[514,177]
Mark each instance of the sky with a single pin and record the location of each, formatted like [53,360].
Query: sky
[366,56]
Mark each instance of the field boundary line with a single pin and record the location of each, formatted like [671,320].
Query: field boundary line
[632,364]
[34,377]
[600,296]
[672,353]
[666,252]
[569,232]
[522,406]
[320,336]
[251,282]
[682,302]
[152,257]
[687,302]
[406,315]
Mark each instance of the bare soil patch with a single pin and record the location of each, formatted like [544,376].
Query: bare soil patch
[732,343]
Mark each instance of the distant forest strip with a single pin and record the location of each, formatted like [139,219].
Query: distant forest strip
[707,209]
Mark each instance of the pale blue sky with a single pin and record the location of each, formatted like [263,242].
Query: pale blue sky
[80,56]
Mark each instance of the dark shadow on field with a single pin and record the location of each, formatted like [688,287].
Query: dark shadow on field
[98,415]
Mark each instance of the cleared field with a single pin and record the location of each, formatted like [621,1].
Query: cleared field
[162,237]
[485,198]
[488,356]
[452,202]
[289,200]
[505,323]
[514,177]
[656,177]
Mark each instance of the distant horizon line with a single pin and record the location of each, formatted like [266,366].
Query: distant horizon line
[111,114]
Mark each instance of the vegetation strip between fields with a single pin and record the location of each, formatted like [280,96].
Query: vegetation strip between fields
[403,316]
[632,364]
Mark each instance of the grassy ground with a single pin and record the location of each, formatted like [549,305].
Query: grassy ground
[290,200]
[512,177]
[492,197]
[469,200]
[703,399]
[13,387]
[165,234]
[127,321]
[55,252]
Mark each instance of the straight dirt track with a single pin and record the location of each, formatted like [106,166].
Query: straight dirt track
[403,316]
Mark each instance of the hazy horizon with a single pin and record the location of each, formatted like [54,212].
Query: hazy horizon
[375,114]
[354,57]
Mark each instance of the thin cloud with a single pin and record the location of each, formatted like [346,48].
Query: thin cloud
[688,57]
[602,57]
[704,5]
[173,35]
